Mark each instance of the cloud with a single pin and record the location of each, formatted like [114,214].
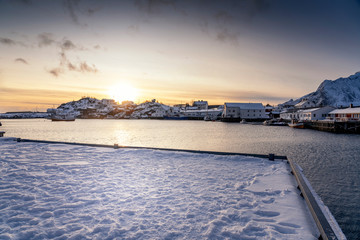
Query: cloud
[7,41]
[64,46]
[56,71]
[21,60]
[65,63]
[82,67]
[223,17]
[45,39]
[224,20]
[48,39]
[71,6]
[67,45]
[92,11]
[154,6]
[224,35]
[11,42]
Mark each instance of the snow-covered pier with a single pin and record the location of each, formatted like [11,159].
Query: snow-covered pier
[82,191]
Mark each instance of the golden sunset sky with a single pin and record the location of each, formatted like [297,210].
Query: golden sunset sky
[53,52]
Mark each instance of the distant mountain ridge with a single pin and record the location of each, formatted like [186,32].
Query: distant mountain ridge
[338,93]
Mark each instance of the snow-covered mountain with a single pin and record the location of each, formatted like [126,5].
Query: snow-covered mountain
[338,93]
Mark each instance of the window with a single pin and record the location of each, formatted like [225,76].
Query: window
[314,115]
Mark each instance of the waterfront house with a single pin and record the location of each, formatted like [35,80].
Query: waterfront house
[272,112]
[287,114]
[200,104]
[314,114]
[202,113]
[347,114]
[247,111]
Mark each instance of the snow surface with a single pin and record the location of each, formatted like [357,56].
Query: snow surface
[355,110]
[246,105]
[56,191]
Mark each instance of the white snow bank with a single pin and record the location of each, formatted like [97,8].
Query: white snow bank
[54,191]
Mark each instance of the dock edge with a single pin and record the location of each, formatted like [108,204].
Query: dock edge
[325,221]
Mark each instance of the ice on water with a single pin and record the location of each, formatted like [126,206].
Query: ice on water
[54,191]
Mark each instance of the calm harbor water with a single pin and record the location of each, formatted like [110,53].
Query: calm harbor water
[330,161]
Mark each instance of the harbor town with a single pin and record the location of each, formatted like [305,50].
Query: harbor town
[325,118]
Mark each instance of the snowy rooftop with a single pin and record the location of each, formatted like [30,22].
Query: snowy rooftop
[308,110]
[203,110]
[56,191]
[246,105]
[346,110]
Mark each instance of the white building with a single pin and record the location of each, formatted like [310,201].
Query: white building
[247,111]
[201,114]
[347,114]
[200,104]
[287,114]
[312,114]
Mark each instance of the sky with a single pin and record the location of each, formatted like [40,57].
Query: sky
[52,52]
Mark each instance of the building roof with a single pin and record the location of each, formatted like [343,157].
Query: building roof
[308,110]
[245,105]
[200,102]
[346,110]
[203,110]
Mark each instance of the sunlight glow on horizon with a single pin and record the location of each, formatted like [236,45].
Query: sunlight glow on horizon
[123,92]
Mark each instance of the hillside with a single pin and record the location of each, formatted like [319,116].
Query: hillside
[108,108]
[338,93]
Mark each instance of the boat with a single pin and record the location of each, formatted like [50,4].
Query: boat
[67,118]
[274,122]
[210,118]
[296,124]
[243,121]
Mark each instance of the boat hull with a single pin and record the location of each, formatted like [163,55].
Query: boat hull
[296,125]
[175,118]
[62,120]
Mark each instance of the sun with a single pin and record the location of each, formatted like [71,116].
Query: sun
[123,92]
